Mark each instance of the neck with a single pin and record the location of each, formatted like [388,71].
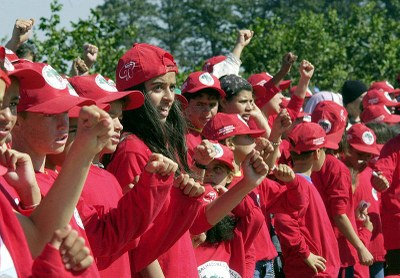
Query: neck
[302,168]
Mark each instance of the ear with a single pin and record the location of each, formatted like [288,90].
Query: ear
[229,143]
[223,102]
[317,154]
[229,178]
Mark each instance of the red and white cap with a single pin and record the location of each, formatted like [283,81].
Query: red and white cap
[43,90]
[332,117]
[141,63]
[224,155]
[210,63]
[377,97]
[224,125]
[200,80]
[307,137]
[308,91]
[379,114]
[7,58]
[384,86]
[363,139]
[104,91]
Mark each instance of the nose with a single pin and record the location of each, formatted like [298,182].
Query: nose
[5,115]
[169,95]
[62,121]
[117,125]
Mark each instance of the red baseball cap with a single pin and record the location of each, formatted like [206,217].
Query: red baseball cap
[264,77]
[200,80]
[43,90]
[332,117]
[307,137]
[379,114]
[224,125]
[384,86]
[141,63]
[374,97]
[96,87]
[210,63]
[5,78]
[7,58]
[308,91]
[363,139]
[224,155]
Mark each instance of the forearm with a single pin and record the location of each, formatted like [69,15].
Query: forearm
[344,225]
[13,45]
[280,75]
[56,209]
[237,51]
[302,87]
[220,207]
[152,270]
[29,197]
[262,123]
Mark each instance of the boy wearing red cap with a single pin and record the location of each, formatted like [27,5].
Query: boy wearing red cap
[203,92]
[227,243]
[387,181]
[308,242]
[333,182]
[362,148]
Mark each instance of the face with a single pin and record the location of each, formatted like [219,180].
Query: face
[42,134]
[161,91]
[242,104]
[217,174]
[358,160]
[201,109]
[244,144]
[353,108]
[8,109]
[273,106]
[116,116]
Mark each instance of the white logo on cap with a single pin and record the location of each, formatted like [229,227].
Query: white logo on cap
[8,65]
[71,89]
[104,84]
[262,82]
[386,94]
[126,72]
[219,152]
[326,125]
[368,137]
[52,78]
[226,130]
[374,194]
[206,79]
[374,100]
[318,141]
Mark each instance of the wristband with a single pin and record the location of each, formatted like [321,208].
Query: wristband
[28,207]
[200,166]
[276,144]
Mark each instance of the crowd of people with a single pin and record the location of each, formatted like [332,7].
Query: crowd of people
[219,177]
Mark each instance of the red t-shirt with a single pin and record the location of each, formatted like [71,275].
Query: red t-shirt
[333,182]
[388,163]
[228,258]
[302,226]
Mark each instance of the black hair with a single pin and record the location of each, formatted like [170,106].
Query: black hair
[222,231]
[198,94]
[233,84]
[167,139]
[26,49]
[301,156]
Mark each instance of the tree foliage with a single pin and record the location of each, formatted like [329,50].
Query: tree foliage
[344,39]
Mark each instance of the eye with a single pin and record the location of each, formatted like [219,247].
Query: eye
[72,130]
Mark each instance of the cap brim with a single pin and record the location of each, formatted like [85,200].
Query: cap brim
[373,149]
[60,104]
[262,96]
[28,75]
[182,100]
[135,99]
[334,139]
[392,119]
[74,112]
[254,133]
[219,90]
[284,84]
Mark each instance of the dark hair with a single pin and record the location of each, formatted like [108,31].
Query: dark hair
[26,49]
[168,139]
[301,156]
[198,94]
[222,231]
[233,84]
[382,131]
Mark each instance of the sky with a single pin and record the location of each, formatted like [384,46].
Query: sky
[26,9]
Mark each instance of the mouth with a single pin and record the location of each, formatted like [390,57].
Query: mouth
[115,139]
[62,139]
[164,111]
[246,117]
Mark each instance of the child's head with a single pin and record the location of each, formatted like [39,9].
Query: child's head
[361,146]
[219,172]
[231,130]
[203,92]
[307,145]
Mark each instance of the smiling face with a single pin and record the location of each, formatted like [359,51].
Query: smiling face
[241,103]
[161,91]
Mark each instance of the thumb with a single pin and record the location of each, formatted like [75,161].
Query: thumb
[59,235]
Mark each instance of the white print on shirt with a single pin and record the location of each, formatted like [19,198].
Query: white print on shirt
[7,268]
[78,219]
[216,269]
